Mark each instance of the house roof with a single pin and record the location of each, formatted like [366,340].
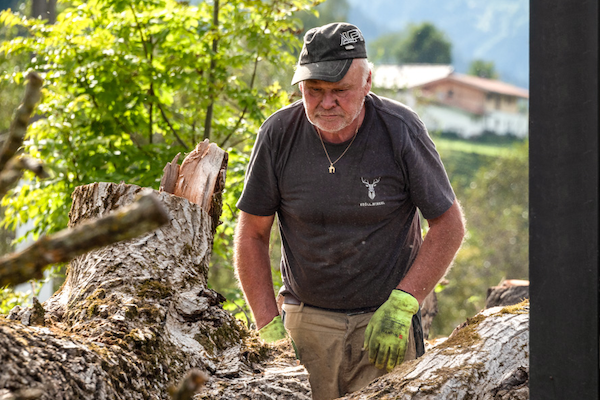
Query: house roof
[486,85]
[409,75]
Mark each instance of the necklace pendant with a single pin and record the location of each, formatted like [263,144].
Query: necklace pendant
[331,169]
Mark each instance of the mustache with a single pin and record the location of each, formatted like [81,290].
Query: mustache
[325,114]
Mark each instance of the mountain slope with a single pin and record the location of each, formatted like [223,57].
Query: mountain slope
[495,31]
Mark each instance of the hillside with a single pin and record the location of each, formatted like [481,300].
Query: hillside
[495,31]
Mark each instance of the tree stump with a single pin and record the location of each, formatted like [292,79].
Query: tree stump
[131,318]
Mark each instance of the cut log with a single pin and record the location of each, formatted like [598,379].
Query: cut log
[486,358]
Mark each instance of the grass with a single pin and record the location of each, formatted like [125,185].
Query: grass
[467,146]
[463,158]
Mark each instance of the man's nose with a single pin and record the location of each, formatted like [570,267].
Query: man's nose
[329,100]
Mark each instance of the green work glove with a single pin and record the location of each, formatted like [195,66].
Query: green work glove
[386,336]
[273,331]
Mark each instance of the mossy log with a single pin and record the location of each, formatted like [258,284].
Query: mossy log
[131,318]
[486,358]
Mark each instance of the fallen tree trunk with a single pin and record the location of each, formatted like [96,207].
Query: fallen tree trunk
[132,318]
[485,358]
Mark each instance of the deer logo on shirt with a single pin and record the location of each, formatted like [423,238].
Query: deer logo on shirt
[371,186]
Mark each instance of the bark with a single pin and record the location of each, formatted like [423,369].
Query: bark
[131,318]
[486,358]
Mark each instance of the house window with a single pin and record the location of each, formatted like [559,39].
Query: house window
[450,93]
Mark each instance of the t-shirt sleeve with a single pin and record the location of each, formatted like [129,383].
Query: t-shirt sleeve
[260,195]
[429,186]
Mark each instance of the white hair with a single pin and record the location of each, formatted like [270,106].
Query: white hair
[366,66]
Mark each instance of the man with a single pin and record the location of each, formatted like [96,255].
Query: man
[345,171]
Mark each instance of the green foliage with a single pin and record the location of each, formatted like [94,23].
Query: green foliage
[128,85]
[419,43]
[495,204]
[483,69]
[326,12]
[10,94]
[9,299]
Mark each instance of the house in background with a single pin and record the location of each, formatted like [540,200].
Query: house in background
[448,102]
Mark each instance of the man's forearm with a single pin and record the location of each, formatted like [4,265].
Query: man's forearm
[441,243]
[253,267]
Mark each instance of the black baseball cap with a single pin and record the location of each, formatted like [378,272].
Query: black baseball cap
[328,52]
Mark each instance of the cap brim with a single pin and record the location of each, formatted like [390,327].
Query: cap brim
[330,71]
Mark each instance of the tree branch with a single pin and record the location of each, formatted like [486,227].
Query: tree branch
[14,170]
[162,112]
[141,217]
[139,28]
[252,79]
[18,126]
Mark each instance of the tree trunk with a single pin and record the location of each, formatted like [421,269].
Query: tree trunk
[487,358]
[131,318]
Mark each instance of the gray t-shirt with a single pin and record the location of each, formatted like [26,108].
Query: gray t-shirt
[348,238]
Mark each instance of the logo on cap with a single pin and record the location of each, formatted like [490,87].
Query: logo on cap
[349,37]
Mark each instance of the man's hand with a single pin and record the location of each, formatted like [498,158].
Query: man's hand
[386,336]
[273,331]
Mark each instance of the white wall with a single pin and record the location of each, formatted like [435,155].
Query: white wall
[466,125]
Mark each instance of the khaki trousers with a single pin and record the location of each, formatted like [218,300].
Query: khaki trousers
[330,346]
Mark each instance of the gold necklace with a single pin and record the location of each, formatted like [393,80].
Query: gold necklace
[331,167]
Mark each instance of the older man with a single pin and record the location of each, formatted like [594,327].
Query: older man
[346,172]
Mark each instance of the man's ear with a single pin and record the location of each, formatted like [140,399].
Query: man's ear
[368,84]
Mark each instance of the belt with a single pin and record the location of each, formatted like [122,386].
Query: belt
[292,300]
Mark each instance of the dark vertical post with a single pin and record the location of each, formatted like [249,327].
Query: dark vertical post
[564,200]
